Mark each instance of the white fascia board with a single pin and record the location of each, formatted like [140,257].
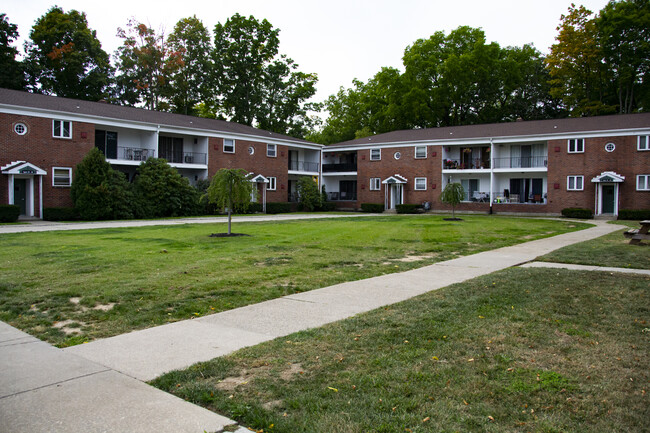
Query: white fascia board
[146,126]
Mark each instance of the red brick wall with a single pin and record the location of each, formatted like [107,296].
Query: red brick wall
[625,160]
[407,166]
[257,163]
[38,147]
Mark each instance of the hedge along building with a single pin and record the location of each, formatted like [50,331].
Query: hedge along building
[538,167]
[43,138]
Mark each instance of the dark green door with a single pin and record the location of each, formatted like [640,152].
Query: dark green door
[20,195]
[608,199]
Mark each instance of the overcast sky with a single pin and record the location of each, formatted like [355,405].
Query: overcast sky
[337,39]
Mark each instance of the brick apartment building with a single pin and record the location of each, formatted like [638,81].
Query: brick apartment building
[43,138]
[536,167]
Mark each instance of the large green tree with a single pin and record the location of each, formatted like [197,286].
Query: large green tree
[579,76]
[623,32]
[193,81]
[65,58]
[11,70]
[257,86]
[146,64]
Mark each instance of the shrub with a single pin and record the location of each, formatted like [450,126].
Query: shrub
[278,207]
[409,208]
[310,197]
[327,206]
[577,212]
[160,191]
[372,207]
[634,214]
[254,208]
[60,214]
[9,213]
[98,191]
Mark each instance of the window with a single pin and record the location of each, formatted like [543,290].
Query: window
[20,128]
[397,155]
[643,143]
[609,147]
[375,184]
[420,152]
[228,145]
[61,176]
[420,183]
[271,150]
[575,183]
[375,154]
[643,182]
[272,183]
[251,150]
[61,129]
[576,145]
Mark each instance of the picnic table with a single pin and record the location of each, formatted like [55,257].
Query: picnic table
[638,235]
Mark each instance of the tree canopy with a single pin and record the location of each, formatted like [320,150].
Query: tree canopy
[11,70]
[65,58]
[230,188]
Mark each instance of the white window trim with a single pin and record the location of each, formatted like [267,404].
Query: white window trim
[375,184]
[22,125]
[647,143]
[575,177]
[61,129]
[273,183]
[69,170]
[647,182]
[416,152]
[375,150]
[575,140]
[224,145]
[270,146]
[416,183]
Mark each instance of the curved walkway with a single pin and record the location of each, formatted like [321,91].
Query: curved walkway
[98,386]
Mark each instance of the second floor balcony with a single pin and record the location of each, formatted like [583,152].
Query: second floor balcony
[311,167]
[521,162]
[339,168]
[184,157]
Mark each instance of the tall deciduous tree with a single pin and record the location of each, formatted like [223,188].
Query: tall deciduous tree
[146,64]
[624,35]
[65,58]
[230,188]
[11,70]
[193,81]
[580,78]
[257,86]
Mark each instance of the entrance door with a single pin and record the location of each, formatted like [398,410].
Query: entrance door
[608,199]
[20,195]
[395,195]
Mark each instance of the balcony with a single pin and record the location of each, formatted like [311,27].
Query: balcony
[304,166]
[341,196]
[339,168]
[522,162]
[184,157]
[456,164]
[135,153]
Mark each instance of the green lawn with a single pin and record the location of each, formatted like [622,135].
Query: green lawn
[611,250]
[521,350]
[73,286]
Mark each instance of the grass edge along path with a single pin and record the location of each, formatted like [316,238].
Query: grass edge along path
[517,350]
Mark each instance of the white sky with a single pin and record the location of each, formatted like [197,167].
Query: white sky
[337,39]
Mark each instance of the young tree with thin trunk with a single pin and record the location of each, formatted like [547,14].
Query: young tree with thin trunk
[452,195]
[230,187]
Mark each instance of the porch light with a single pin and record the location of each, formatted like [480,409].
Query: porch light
[433,186]
[363,187]
[556,186]
[282,186]
[557,148]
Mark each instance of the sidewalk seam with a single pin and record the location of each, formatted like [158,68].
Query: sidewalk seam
[56,383]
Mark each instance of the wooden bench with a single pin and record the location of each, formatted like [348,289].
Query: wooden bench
[637,235]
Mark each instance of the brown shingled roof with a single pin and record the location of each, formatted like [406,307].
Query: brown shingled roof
[110,111]
[509,129]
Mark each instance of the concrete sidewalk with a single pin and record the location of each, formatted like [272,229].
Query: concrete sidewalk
[96,387]
[45,389]
[35,225]
[148,353]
